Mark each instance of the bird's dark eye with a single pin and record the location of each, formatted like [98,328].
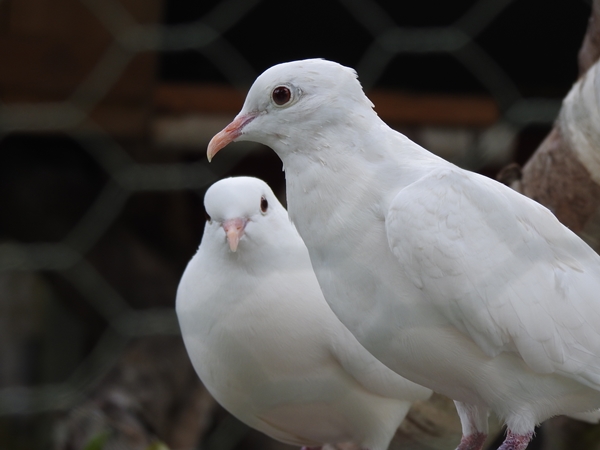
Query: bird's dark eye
[281,95]
[264,204]
[208,218]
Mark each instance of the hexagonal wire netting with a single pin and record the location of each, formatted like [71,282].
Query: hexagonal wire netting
[212,37]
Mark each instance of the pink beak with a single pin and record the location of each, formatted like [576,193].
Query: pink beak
[234,230]
[229,134]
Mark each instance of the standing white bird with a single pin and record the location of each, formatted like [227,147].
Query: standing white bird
[264,341]
[451,279]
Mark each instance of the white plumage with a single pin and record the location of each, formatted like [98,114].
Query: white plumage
[264,341]
[451,279]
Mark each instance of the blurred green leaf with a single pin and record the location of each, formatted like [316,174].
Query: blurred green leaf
[158,445]
[97,442]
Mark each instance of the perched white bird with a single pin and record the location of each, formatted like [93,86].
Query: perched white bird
[451,279]
[263,340]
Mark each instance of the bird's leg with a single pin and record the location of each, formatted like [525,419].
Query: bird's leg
[473,441]
[474,422]
[516,441]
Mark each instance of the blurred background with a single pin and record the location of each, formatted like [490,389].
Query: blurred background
[106,108]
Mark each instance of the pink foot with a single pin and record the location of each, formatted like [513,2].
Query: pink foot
[516,441]
[473,441]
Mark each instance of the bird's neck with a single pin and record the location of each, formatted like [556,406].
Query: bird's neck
[342,169]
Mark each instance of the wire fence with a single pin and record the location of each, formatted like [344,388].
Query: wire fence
[126,177]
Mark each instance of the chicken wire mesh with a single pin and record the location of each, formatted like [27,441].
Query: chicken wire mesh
[37,269]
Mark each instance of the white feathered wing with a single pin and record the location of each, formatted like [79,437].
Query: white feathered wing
[511,278]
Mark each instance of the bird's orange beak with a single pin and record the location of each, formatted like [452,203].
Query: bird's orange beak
[229,134]
[234,230]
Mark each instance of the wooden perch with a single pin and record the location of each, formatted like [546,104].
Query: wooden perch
[392,106]
[151,397]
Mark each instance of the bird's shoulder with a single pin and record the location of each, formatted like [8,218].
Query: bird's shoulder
[461,214]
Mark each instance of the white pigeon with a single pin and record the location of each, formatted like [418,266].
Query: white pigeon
[451,279]
[264,341]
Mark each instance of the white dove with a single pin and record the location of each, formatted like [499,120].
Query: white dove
[263,340]
[451,279]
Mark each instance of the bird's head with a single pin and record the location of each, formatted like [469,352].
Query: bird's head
[242,208]
[292,101]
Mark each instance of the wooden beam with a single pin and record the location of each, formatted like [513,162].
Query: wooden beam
[197,98]
[431,109]
[393,106]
